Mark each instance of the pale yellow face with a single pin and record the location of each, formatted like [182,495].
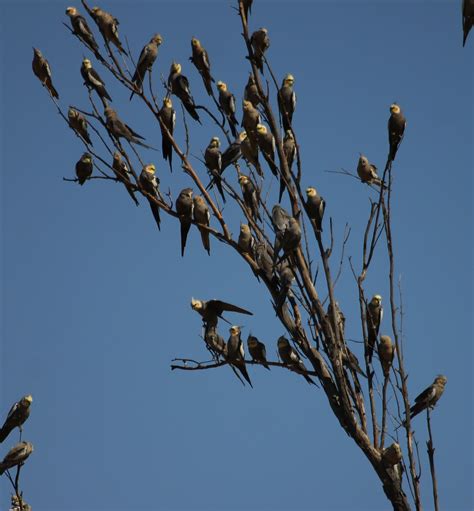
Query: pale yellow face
[87,63]
[261,129]
[441,380]
[234,330]
[195,42]
[71,11]
[86,159]
[222,86]
[157,39]
[395,109]
[196,304]
[376,300]
[95,9]
[247,105]
[215,142]
[289,80]
[289,134]
[175,67]
[244,228]
[28,400]
[242,136]
[150,169]
[243,180]
[311,192]
[167,103]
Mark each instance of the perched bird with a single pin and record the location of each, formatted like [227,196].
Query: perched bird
[42,70]
[145,61]
[392,455]
[18,503]
[264,260]
[213,161]
[374,319]
[231,154]
[212,310]
[315,206]
[150,184]
[266,144]
[84,168]
[215,342]
[250,195]
[260,43]
[429,397]
[291,358]
[251,91]
[289,241]
[249,150]
[247,5]
[351,361]
[17,455]
[246,241]
[289,150]
[227,103]
[339,318]
[250,119]
[287,101]
[122,173]
[184,208]
[200,59]
[202,216]
[93,81]
[257,351]
[16,417]
[368,172]
[386,353]
[280,219]
[79,124]
[81,29]
[108,26]
[168,117]
[396,129]
[179,86]
[287,278]
[119,129]
[467,18]
[236,353]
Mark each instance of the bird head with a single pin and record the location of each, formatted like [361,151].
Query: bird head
[117,156]
[215,142]
[247,105]
[87,63]
[37,52]
[243,179]
[282,342]
[86,158]
[441,380]
[289,80]
[251,80]
[363,161]
[195,43]
[150,169]
[289,135]
[95,10]
[394,108]
[157,39]
[196,304]
[109,111]
[252,341]
[175,68]
[385,341]
[242,136]
[263,30]
[198,200]
[187,192]
[261,129]
[167,103]
[72,113]
[244,228]
[311,192]
[234,330]
[27,400]
[71,11]
[222,86]
[376,300]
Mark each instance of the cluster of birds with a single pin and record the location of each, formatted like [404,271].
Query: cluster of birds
[16,417]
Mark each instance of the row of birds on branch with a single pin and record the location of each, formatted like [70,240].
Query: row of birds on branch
[16,417]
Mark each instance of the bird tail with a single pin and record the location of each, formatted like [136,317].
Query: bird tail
[282,188]
[191,109]
[3,434]
[185,226]
[245,374]
[156,214]
[132,195]
[205,240]
[167,151]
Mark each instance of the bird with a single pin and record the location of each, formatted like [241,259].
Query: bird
[374,319]
[42,70]
[108,26]
[179,86]
[17,416]
[212,310]
[287,101]
[315,206]
[264,260]
[150,184]
[236,353]
[247,6]
[351,361]
[250,196]
[396,129]
[289,241]
[287,278]
[392,455]
[251,91]
[260,43]
[202,216]
[429,397]
[200,59]
[291,358]
[280,222]
[250,120]
[367,172]
[93,81]
[257,351]
[119,129]
[467,18]
[213,162]
[215,342]
[145,62]
[386,353]
[246,241]
[122,173]
[231,154]
[168,118]
[227,103]
[339,318]
[266,144]
[79,124]
[289,150]
[184,208]
[17,455]
[84,168]
[81,29]
[249,150]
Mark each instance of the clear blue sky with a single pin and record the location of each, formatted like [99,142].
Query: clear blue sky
[95,302]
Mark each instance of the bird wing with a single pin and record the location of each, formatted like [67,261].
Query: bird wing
[219,306]
[13,409]
[427,395]
[232,103]
[134,133]
[83,26]
[95,78]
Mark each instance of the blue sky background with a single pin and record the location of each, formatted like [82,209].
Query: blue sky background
[95,302]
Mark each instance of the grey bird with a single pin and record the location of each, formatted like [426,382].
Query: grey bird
[251,91]
[315,206]
[227,103]
[467,18]
[250,119]
[367,172]
[246,241]
[17,455]
[16,417]
[42,70]
[266,144]
[202,216]
[93,81]
[289,150]
[108,26]
[200,59]
[179,86]
[287,232]
[236,353]
[396,129]
[119,129]
[84,168]
[287,101]
[287,278]
[250,196]
[168,117]
[81,29]
[257,351]
[291,358]
[122,173]
[145,62]
[184,208]
[429,397]
[79,124]
[374,317]
[386,351]
[249,149]
[351,361]
[150,184]
[215,342]
[212,310]
[232,154]
[213,162]
[260,43]
[264,260]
